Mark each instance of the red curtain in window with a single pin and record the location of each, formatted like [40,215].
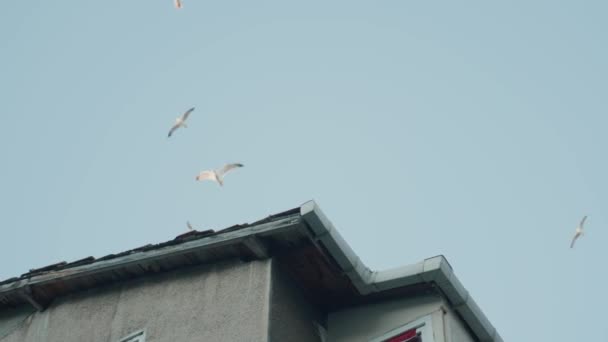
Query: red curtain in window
[403,336]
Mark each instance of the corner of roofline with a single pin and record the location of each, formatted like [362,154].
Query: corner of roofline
[435,270]
[323,230]
[312,214]
[438,270]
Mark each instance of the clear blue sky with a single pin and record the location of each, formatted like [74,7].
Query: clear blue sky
[474,129]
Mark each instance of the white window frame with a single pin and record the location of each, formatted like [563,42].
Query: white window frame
[423,326]
[138,336]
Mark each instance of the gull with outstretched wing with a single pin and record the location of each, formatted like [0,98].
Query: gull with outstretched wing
[181,121]
[578,232]
[217,175]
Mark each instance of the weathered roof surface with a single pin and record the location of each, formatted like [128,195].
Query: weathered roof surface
[189,236]
[302,240]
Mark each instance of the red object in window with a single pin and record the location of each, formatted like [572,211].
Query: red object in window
[403,336]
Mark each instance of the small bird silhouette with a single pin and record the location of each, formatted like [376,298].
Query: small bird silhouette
[189,226]
[181,121]
[578,232]
[217,175]
[178,4]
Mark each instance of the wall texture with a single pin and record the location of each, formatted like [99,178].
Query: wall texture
[222,302]
[292,316]
[363,323]
[457,329]
[12,319]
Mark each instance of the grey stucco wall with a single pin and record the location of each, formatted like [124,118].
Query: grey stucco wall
[363,323]
[11,319]
[223,302]
[292,316]
[456,328]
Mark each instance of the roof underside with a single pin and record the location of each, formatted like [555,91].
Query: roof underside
[303,242]
[44,284]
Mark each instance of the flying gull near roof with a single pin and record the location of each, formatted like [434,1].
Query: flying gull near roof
[181,121]
[217,175]
[578,232]
[189,226]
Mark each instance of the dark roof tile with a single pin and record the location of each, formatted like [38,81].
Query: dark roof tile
[189,236]
[84,261]
[45,268]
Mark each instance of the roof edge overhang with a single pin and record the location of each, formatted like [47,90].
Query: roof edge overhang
[247,236]
[434,270]
[311,222]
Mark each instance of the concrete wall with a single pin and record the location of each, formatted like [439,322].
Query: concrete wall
[292,316]
[13,318]
[456,329]
[363,323]
[223,302]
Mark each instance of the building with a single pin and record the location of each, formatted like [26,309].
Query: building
[289,277]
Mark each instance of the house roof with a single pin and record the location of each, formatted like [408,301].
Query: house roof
[304,242]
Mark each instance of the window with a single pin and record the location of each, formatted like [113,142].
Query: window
[416,331]
[409,336]
[139,336]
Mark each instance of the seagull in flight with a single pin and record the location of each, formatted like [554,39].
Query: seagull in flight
[178,4]
[190,228]
[578,232]
[217,175]
[181,121]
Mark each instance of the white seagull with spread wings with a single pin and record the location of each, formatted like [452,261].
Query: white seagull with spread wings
[181,121]
[578,232]
[217,175]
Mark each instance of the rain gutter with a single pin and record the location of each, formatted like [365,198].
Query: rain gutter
[434,270]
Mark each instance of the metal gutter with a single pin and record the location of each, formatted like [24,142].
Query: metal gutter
[434,270]
[313,223]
